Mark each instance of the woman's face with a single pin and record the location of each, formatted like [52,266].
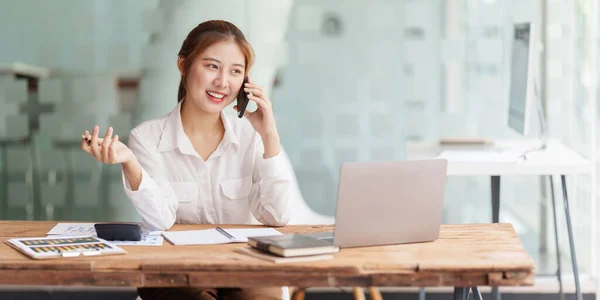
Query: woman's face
[215,77]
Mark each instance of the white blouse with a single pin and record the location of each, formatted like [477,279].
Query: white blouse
[235,185]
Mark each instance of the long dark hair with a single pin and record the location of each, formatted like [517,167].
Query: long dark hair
[205,35]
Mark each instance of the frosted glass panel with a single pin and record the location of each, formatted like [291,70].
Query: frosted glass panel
[50,91]
[17,126]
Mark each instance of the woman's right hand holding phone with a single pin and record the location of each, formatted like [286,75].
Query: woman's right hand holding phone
[107,149]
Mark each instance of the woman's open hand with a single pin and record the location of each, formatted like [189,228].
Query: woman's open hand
[107,149]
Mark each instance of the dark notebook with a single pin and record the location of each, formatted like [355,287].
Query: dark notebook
[289,245]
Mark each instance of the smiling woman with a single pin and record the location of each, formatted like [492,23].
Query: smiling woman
[202,38]
[198,165]
[215,75]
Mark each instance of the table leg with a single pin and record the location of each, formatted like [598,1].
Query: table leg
[543,220]
[359,293]
[476,293]
[422,294]
[299,294]
[495,199]
[374,293]
[571,240]
[495,218]
[561,295]
[461,293]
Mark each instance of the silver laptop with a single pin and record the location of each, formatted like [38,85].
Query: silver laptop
[382,203]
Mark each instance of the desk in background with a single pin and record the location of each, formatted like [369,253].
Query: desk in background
[555,159]
[466,255]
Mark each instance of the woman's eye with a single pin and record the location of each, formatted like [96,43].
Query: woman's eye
[237,71]
[212,66]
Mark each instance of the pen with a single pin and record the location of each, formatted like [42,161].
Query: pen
[225,233]
[87,139]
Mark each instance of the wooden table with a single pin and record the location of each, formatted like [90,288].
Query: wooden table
[466,255]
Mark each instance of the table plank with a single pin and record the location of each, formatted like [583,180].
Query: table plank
[464,254]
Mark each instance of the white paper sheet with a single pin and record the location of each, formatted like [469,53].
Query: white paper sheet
[212,236]
[73,229]
[149,238]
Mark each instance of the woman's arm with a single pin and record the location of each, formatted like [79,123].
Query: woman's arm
[154,200]
[271,145]
[152,197]
[133,173]
[271,189]
[270,196]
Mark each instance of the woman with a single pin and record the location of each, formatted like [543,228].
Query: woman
[198,165]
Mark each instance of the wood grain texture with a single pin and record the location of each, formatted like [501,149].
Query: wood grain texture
[463,255]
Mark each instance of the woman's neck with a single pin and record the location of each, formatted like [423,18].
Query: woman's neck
[198,123]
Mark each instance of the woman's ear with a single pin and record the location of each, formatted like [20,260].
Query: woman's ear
[180,61]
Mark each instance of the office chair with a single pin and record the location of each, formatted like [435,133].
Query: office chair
[357,292]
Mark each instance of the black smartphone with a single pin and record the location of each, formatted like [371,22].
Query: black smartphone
[242,99]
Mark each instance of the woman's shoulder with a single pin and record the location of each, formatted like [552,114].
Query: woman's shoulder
[151,125]
[151,129]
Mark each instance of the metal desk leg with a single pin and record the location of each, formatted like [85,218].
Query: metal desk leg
[495,199]
[476,293]
[561,295]
[543,220]
[495,218]
[496,293]
[422,294]
[461,293]
[571,241]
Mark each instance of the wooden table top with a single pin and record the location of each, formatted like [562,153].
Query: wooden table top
[464,255]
